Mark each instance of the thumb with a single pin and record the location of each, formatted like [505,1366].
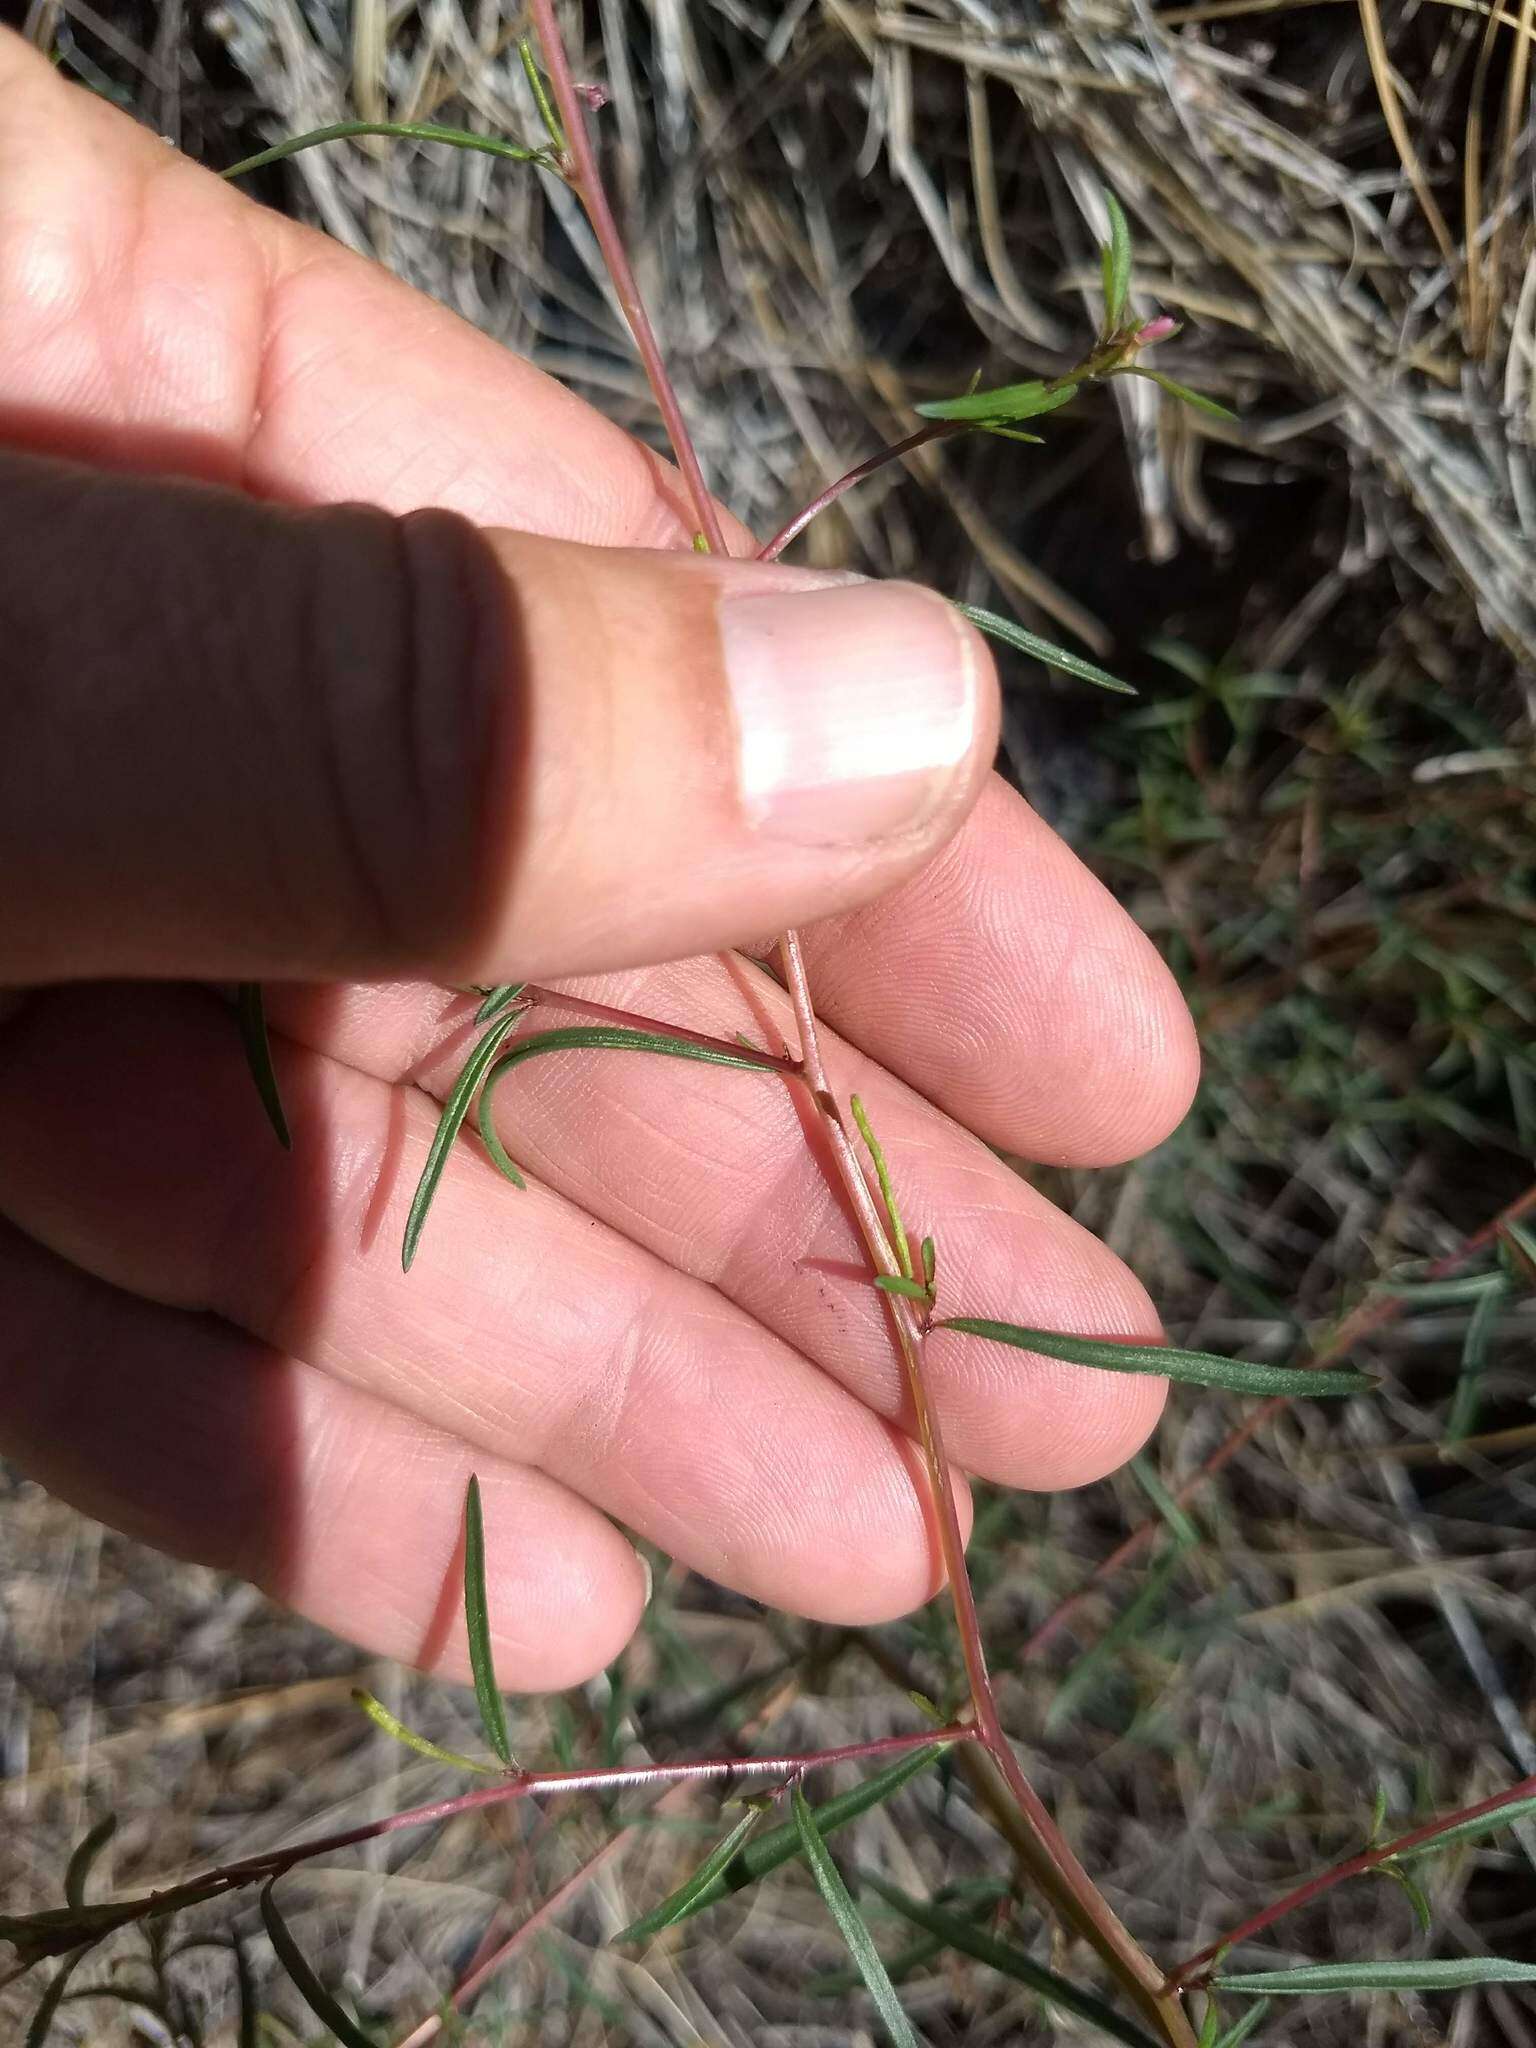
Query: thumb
[241,741]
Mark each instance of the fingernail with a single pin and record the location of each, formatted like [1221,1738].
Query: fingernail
[855,708]
[650,1579]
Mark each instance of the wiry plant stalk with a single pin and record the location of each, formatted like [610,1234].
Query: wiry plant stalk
[1055,1866]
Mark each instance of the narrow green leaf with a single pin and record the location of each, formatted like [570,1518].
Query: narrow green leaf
[767,1851]
[887,1190]
[996,627]
[929,1254]
[497,999]
[679,1904]
[52,1998]
[1415,1893]
[1195,1368]
[1448,1973]
[1481,1325]
[1117,263]
[1469,1830]
[455,1109]
[1181,392]
[1003,433]
[1179,1520]
[570,1038]
[305,1982]
[382,1718]
[87,1850]
[1007,403]
[897,1283]
[245,1990]
[1126,1627]
[1235,2035]
[540,93]
[250,1013]
[401,131]
[850,1924]
[477,1622]
[1523,1244]
[1443,1293]
[1012,1962]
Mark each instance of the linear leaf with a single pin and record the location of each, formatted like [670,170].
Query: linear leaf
[1117,262]
[400,131]
[767,1851]
[250,1013]
[1481,1325]
[851,1925]
[1238,2033]
[477,1623]
[497,999]
[1196,1368]
[1012,1962]
[929,1253]
[87,1850]
[52,1998]
[1012,634]
[571,1038]
[896,1283]
[1467,1830]
[305,1982]
[679,1904]
[450,1119]
[1431,1973]
[540,93]
[1181,392]
[245,1988]
[382,1718]
[887,1189]
[1007,403]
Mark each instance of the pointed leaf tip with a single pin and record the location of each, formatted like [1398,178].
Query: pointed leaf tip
[477,1624]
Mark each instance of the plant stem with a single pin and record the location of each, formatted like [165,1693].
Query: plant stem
[1364,1322]
[586,181]
[1195,1967]
[771,1062]
[936,430]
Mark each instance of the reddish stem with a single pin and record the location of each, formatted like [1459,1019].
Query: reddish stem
[1369,1859]
[635,1020]
[936,430]
[586,181]
[1368,1318]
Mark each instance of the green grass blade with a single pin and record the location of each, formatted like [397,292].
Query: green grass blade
[1183,1525]
[540,93]
[767,1851]
[250,1013]
[477,1622]
[1011,634]
[1481,1325]
[305,1982]
[1117,263]
[399,131]
[383,1719]
[455,1109]
[1195,1368]
[1084,1674]
[86,1851]
[1430,1973]
[1012,1962]
[1182,393]
[1007,403]
[678,1905]
[850,1925]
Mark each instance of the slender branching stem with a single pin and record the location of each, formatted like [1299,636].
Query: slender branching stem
[635,1020]
[581,171]
[936,430]
[1196,1967]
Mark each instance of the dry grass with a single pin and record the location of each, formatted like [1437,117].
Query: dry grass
[837,208]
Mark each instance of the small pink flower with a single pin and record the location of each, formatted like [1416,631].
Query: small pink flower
[1158,329]
[595,97]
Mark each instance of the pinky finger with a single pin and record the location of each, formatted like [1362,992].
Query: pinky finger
[184,1432]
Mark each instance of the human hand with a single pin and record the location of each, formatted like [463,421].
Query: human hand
[364,757]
